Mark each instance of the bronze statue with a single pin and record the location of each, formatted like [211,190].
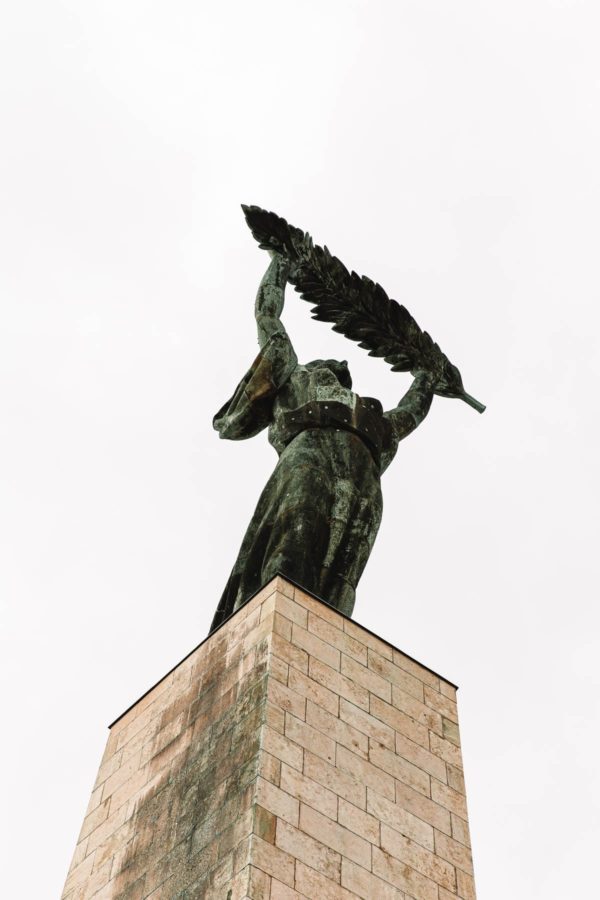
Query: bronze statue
[318,516]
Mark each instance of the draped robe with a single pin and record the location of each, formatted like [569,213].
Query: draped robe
[318,515]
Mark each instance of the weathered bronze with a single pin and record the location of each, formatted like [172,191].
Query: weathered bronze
[318,516]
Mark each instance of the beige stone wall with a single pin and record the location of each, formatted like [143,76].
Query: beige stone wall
[292,755]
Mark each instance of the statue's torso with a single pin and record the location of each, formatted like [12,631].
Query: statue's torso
[314,398]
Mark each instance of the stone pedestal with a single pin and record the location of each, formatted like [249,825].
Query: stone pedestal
[293,754]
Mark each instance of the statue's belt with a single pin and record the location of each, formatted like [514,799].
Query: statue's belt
[365,419]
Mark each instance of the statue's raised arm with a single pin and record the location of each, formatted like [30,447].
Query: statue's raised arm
[250,409]
[270,299]
[409,413]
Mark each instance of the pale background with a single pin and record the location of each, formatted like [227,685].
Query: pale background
[450,151]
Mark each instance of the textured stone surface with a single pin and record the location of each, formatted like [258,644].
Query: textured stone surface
[292,754]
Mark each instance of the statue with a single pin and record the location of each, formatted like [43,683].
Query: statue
[318,516]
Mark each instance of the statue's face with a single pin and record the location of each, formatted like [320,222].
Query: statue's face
[339,369]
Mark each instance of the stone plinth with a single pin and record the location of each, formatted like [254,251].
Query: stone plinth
[293,754]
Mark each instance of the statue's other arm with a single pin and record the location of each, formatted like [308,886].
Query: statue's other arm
[413,407]
[270,299]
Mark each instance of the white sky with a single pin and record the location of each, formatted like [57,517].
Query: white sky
[450,151]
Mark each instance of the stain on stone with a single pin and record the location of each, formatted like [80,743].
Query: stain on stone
[265,823]
[193,816]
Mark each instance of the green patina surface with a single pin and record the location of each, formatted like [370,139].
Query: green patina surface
[318,516]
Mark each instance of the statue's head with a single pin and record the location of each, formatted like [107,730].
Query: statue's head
[339,369]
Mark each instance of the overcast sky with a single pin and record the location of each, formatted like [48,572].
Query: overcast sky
[448,150]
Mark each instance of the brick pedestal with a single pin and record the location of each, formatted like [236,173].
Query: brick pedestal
[293,754]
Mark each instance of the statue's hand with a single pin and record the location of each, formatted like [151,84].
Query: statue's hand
[440,376]
[285,266]
[425,377]
[448,381]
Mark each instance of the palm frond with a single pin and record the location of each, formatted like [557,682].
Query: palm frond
[356,306]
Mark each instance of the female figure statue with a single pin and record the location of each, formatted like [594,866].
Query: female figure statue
[318,516]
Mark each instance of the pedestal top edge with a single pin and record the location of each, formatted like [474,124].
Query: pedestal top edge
[249,600]
[367,630]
